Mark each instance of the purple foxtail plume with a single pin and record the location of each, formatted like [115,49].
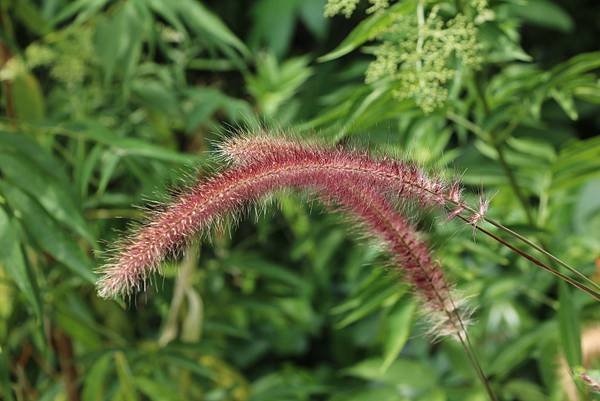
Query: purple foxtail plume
[354,180]
[377,214]
[397,178]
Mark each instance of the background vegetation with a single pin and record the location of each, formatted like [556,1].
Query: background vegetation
[106,104]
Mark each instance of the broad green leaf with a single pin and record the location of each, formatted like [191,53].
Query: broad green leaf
[29,14]
[385,393]
[5,387]
[248,261]
[403,373]
[158,390]
[566,102]
[168,10]
[397,329]
[27,98]
[47,233]
[371,304]
[79,329]
[568,324]
[111,41]
[523,390]
[95,381]
[576,163]
[83,8]
[48,191]
[130,146]
[155,95]
[126,379]
[202,103]
[11,258]
[274,23]
[574,67]
[544,13]
[203,21]
[35,153]
[311,12]
[369,28]
[518,350]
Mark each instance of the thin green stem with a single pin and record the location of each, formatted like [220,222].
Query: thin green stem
[468,347]
[543,251]
[537,262]
[482,133]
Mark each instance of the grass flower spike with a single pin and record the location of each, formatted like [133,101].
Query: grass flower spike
[358,183]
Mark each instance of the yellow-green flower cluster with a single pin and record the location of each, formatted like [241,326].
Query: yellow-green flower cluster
[347,7]
[75,50]
[421,58]
[420,53]
[66,53]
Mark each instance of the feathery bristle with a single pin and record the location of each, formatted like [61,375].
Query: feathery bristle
[359,183]
[381,219]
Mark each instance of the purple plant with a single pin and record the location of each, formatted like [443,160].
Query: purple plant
[368,204]
[361,185]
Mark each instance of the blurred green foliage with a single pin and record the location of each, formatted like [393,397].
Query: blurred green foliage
[107,103]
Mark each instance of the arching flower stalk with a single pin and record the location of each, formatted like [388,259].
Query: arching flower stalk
[207,202]
[447,313]
[363,186]
[359,184]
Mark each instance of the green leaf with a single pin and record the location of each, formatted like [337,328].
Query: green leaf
[83,8]
[129,146]
[568,324]
[158,390]
[386,393]
[574,68]
[205,22]
[523,390]
[311,12]
[156,96]
[402,373]
[566,102]
[11,258]
[544,13]
[96,378]
[5,388]
[368,29]
[397,329]
[126,379]
[48,191]
[274,23]
[111,41]
[47,233]
[517,351]
[168,10]
[577,163]
[29,14]
[27,98]
[35,153]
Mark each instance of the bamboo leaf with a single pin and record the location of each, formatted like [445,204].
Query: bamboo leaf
[368,28]
[46,232]
[11,258]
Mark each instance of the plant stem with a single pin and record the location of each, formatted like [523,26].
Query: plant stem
[466,343]
[483,134]
[543,251]
[536,261]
